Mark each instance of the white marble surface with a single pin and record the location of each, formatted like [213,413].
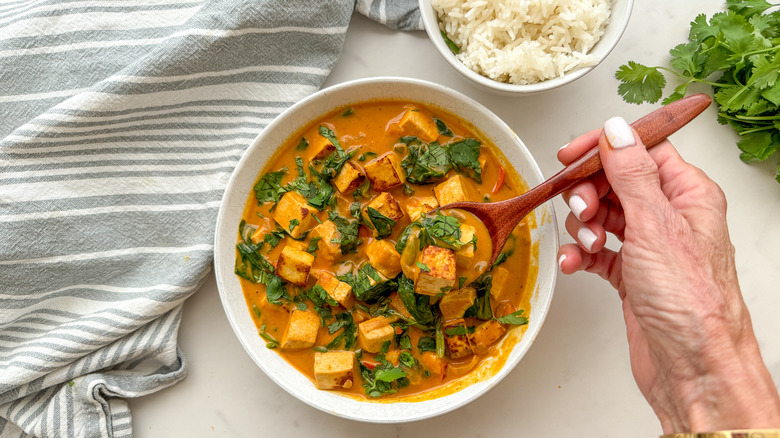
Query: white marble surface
[576,380]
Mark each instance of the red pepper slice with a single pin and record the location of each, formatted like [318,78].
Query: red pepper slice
[499,180]
[369,365]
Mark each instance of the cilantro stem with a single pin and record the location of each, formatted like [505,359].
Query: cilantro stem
[750,131]
[692,79]
[740,118]
[756,52]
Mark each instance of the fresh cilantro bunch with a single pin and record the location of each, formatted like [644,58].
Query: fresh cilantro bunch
[740,48]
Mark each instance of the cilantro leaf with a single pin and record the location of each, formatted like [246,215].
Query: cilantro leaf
[381,223]
[639,83]
[748,8]
[348,230]
[756,147]
[442,127]
[269,187]
[514,318]
[465,157]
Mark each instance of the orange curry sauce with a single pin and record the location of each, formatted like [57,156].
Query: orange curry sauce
[372,129]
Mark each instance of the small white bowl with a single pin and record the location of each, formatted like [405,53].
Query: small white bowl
[544,236]
[621,12]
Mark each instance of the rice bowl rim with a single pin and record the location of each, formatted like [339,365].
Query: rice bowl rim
[618,21]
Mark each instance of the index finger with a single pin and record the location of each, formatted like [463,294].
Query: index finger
[579,146]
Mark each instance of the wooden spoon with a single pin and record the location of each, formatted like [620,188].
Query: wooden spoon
[500,218]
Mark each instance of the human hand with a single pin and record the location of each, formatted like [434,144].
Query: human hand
[691,343]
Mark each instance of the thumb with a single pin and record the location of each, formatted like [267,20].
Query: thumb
[631,171]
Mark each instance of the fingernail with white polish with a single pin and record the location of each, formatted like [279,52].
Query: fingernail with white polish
[618,133]
[577,205]
[563,147]
[586,237]
[561,259]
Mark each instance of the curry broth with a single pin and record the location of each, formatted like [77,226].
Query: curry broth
[373,128]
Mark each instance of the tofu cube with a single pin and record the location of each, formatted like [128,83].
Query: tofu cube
[294,265]
[453,189]
[326,247]
[465,255]
[421,125]
[485,335]
[398,305]
[385,172]
[440,278]
[338,290]
[385,204]
[456,339]
[432,362]
[293,207]
[320,147]
[421,207]
[499,289]
[373,334]
[384,258]
[295,244]
[258,235]
[454,304]
[350,178]
[335,370]
[301,331]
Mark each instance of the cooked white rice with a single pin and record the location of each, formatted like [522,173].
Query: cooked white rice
[523,41]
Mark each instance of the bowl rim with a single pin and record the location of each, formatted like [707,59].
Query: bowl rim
[456,399]
[431,25]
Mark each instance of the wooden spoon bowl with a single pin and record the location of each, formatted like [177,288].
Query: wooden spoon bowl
[500,218]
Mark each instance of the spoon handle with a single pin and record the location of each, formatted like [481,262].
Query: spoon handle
[652,129]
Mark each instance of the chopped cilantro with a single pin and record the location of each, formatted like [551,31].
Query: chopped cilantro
[442,128]
[269,187]
[465,158]
[381,223]
[514,318]
[313,245]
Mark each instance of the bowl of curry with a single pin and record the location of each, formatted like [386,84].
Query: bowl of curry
[343,278]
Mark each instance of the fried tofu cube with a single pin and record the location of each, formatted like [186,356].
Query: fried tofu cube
[374,333]
[349,178]
[398,305]
[301,331]
[454,304]
[336,289]
[384,258]
[326,247]
[385,172]
[421,125]
[421,207]
[296,244]
[294,265]
[440,276]
[456,339]
[452,190]
[320,147]
[499,285]
[465,255]
[335,369]
[294,215]
[386,205]
[485,335]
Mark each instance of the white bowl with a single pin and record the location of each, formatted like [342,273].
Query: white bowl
[545,237]
[621,12]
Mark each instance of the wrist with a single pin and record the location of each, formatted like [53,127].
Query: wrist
[733,389]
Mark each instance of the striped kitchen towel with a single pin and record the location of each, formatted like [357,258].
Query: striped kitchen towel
[120,123]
